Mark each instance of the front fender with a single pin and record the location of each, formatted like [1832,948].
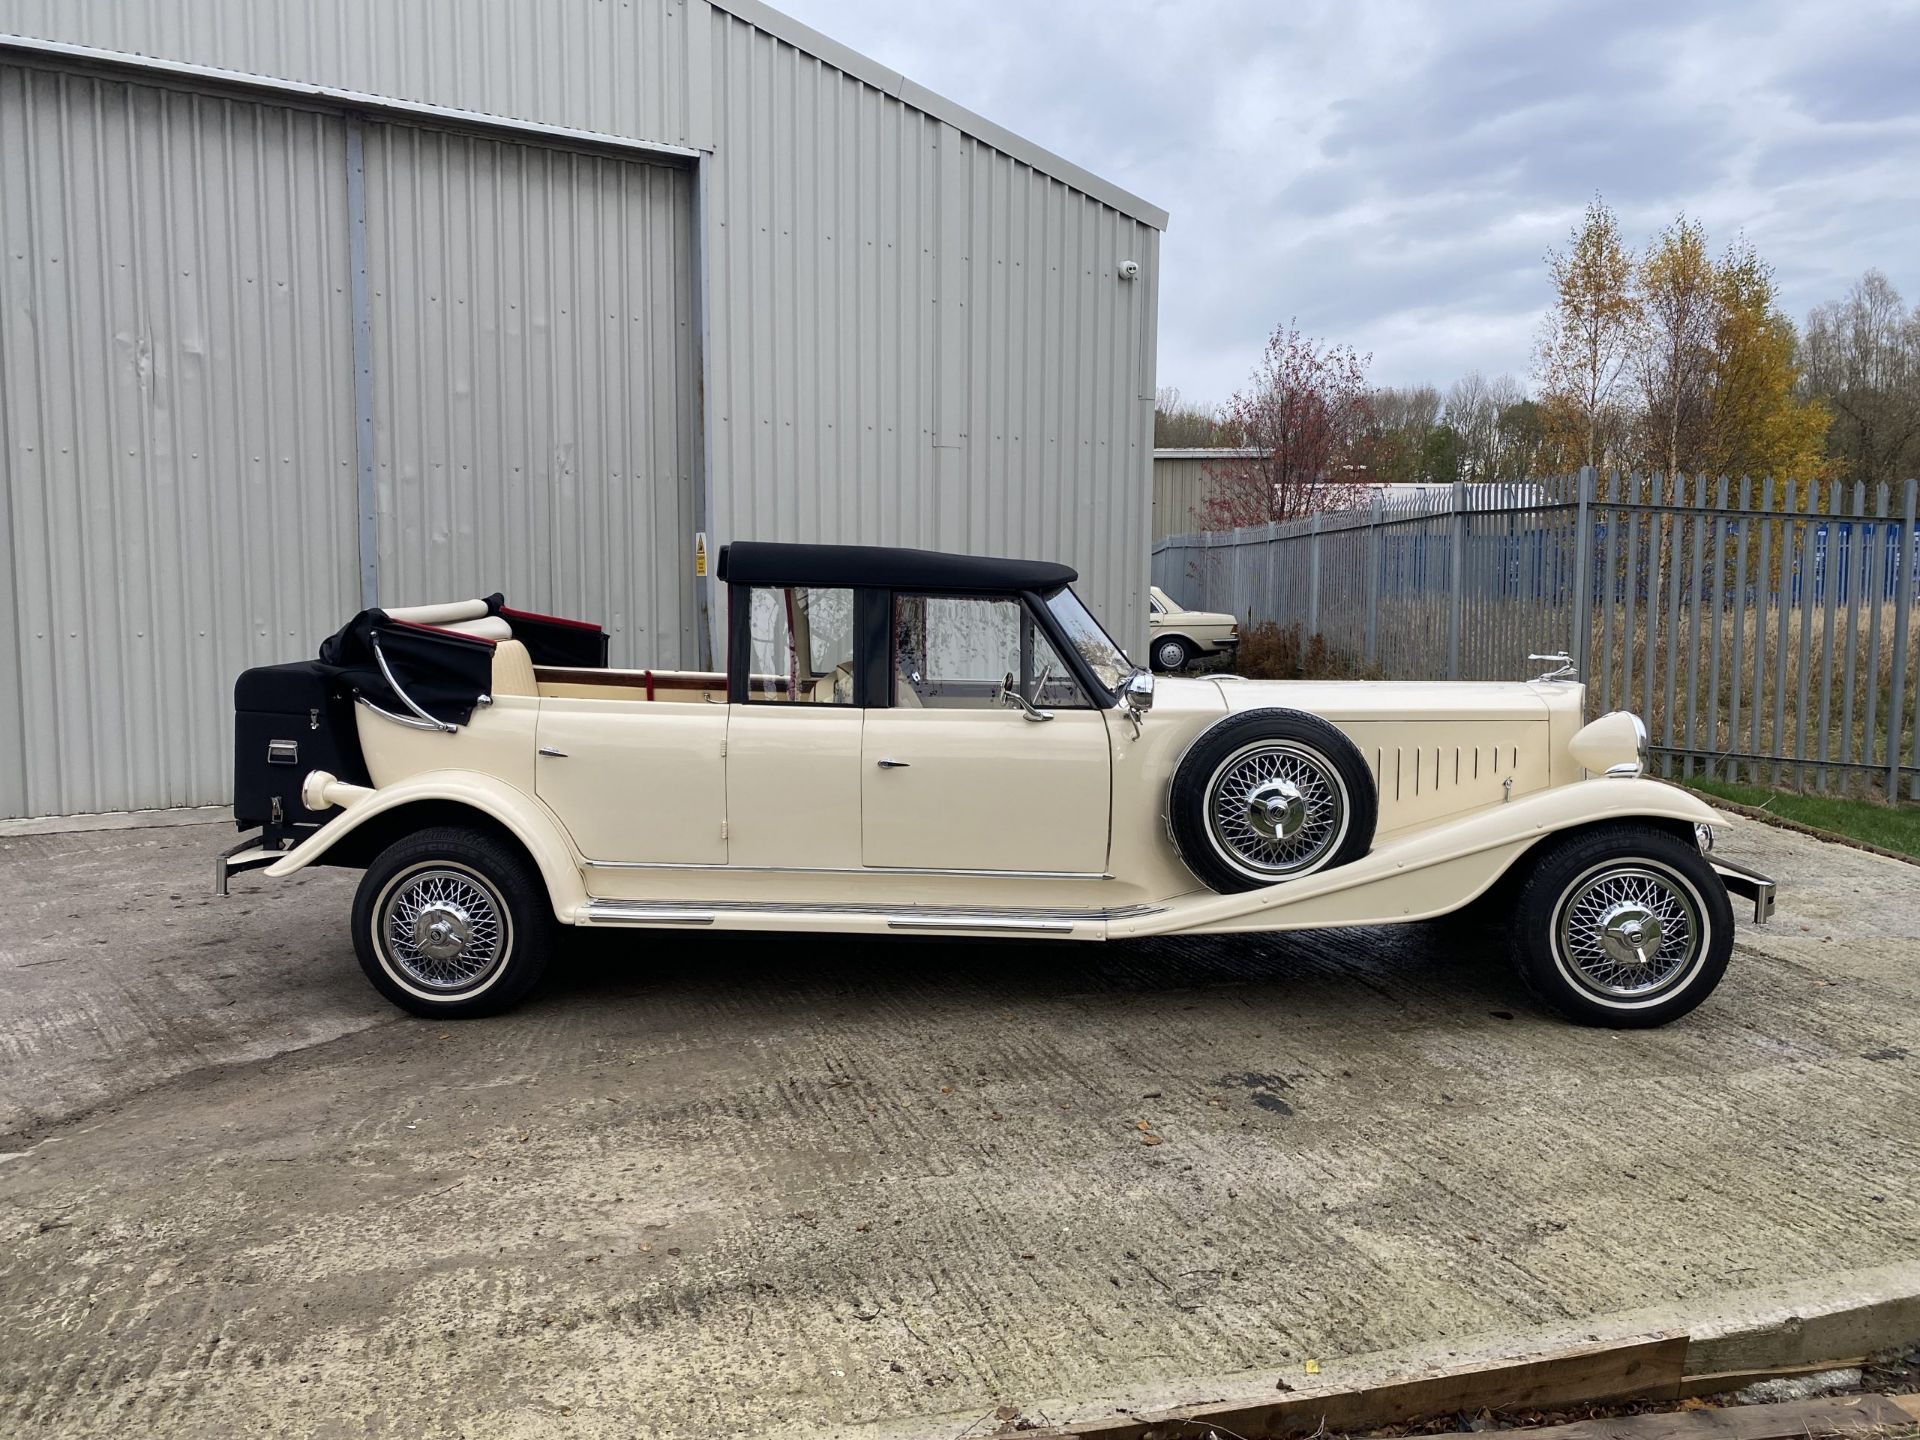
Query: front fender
[1426,873]
[530,822]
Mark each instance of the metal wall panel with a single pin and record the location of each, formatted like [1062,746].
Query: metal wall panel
[1182,485]
[174,394]
[915,339]
[534,401]
[620,67]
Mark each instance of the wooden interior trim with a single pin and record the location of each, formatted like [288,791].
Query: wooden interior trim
[649,680]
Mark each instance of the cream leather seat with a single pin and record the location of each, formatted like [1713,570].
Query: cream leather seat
[513,670]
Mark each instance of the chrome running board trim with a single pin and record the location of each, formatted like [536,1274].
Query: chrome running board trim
[981,924]
[898,917]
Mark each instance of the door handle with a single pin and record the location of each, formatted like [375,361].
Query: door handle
[552,753]
[895,764]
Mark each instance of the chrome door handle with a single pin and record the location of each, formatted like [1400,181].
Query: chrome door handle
[552,753]
[895,764]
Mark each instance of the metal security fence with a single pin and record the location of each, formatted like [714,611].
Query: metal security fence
[1764,630]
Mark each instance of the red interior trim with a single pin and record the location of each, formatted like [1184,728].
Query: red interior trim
[513,614]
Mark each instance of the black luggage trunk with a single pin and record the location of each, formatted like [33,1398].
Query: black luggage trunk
[290,720]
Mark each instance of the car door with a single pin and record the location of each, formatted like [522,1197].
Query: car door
[636,781]
[793,731]
[954,774]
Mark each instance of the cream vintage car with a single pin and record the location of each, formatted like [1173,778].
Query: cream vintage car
[1176,637]
[915,743]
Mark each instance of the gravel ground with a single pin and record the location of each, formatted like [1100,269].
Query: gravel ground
[707,1185]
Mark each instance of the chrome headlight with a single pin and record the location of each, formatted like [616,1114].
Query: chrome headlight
[1614,745]
[1703,836]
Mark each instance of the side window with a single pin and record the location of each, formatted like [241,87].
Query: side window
[801,646]
[954,652]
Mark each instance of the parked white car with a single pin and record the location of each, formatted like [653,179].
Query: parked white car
[914,743]
[1177,637]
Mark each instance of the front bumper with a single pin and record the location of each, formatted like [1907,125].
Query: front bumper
[1748,884]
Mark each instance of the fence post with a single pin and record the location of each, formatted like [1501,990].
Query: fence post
[1902,616]
[1376,563]
[1313,576]
[1458,578]
[1582,648]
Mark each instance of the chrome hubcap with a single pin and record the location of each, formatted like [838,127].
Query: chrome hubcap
[1276,809]
[1628,931]
[443,927]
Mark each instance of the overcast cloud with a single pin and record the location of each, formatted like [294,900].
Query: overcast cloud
[1393,173]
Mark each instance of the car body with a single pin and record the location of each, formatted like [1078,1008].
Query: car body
[1177,637]
[907,742]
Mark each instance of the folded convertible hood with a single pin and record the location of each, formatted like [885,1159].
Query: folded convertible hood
[1403,699]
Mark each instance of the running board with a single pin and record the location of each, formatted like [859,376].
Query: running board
[897,917]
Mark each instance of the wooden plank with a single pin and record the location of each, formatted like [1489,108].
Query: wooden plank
[1827,1415]
[1909,1404]
[1585,1375]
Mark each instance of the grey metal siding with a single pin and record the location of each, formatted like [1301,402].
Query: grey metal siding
[174,388]
[1180,489]
[915,339]
[621,68]
[534,398]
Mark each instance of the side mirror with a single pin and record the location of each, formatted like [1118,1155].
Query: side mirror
[1138,691]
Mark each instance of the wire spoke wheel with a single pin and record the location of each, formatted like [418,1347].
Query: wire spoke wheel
[1276,809]
[443,926]
[1628,930]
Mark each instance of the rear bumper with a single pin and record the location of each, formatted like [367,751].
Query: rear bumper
[249,854]
[1748,884]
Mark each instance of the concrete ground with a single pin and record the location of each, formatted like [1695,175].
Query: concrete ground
[704,1185]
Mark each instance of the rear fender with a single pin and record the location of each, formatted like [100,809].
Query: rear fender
[1429,872]
[530,822]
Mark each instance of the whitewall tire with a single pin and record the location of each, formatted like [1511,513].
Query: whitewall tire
[1623,926]
[452,922]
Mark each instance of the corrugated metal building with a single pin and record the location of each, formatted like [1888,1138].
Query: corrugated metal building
[331,302]
[1182,482]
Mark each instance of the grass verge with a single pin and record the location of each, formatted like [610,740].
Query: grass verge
[1888,827]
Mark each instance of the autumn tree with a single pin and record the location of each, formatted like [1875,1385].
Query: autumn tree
[1678,308]
[1178,424]
[1759,421]
[1395,442]
[1305,410]
[1862,356]
[1589,333]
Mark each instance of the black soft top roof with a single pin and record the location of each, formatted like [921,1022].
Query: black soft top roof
[754,562]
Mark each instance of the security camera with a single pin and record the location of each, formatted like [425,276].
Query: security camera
[1129,269]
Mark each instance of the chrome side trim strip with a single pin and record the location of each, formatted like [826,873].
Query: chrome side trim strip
[842,869]
[980,923]
[631,913]
[905,917]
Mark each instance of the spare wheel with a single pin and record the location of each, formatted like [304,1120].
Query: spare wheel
[1270,795]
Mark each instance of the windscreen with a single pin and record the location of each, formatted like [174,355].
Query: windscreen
[1107,660]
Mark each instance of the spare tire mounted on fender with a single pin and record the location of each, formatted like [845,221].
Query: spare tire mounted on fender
[1270,795]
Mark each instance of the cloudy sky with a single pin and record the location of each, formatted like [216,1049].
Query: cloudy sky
[1393,173]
